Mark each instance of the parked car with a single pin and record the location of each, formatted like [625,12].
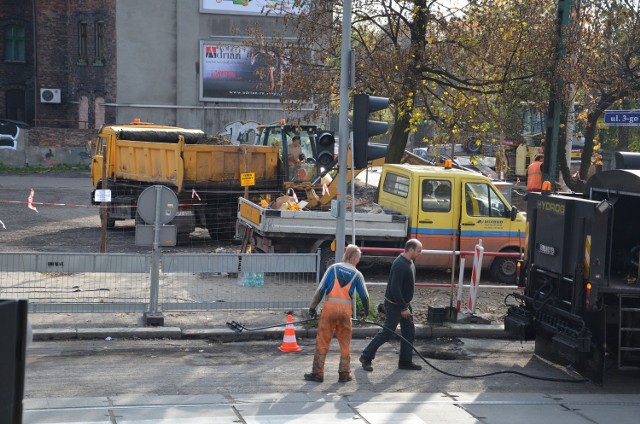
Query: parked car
[483,165]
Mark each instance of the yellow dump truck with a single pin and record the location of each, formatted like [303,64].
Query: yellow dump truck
[206,178]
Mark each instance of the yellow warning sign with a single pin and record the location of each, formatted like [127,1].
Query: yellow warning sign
[247,179]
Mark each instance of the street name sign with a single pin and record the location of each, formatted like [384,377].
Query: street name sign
[622,117]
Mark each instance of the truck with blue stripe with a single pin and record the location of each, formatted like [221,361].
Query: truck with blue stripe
[447,209]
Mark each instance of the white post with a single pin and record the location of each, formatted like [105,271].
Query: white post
[475,276]
[460,284]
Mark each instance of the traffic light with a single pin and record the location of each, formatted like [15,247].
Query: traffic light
[363,128]
[325,148]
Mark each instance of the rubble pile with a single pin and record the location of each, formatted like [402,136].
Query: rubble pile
[215,140]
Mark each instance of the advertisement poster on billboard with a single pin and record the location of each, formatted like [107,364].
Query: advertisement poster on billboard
[250,7]
[234,72]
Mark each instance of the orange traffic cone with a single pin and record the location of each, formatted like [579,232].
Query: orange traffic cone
[289,343]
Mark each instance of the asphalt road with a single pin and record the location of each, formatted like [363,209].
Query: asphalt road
[70,369]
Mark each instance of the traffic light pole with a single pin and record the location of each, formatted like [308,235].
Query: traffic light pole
[344,133]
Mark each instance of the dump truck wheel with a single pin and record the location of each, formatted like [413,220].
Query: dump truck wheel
[220,228]
[503,269]
[214,232]
[327,258]
[111,222]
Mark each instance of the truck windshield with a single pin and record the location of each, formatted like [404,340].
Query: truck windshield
[273,137]
[482,200]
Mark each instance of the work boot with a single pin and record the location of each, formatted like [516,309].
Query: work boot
[366,365]
[313,377]
[408,365]
[344,377]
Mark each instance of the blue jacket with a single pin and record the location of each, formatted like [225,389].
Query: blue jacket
[343,273]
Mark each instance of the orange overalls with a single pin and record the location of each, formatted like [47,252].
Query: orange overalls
[335,315]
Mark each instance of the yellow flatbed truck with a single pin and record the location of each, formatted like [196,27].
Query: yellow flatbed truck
[444,208]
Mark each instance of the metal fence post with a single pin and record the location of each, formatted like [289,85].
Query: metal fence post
[153,316]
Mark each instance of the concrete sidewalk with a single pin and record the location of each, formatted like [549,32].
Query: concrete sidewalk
[323,408]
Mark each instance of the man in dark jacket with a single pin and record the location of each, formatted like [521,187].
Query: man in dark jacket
[397,304]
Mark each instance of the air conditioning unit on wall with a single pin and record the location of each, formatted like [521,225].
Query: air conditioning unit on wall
[50,95]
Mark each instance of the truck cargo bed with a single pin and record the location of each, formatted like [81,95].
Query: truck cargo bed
[192,165]
[286,222]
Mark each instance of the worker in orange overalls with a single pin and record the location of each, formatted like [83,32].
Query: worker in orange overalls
[534,174]
[339,284]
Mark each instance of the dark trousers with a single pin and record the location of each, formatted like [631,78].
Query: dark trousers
[391,320]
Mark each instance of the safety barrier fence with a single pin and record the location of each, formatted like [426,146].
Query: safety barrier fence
[90,282]
[118,282]
[394,250]
[477,258]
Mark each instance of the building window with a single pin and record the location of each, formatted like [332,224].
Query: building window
[83,113]
[14,44]
[99,58]
[99,112]
[82,43]
[15,105]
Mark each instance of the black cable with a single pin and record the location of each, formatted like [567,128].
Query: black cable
[522,374]
[238,328]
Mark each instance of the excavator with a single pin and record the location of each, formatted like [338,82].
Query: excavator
[310,174]
[329,185]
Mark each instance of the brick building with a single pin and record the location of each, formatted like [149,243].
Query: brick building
[57,71]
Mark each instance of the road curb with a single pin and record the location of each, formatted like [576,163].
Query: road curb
[486,331]
[130,332]
[55,334]
[103,333]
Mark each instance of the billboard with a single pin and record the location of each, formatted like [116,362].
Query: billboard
[249,7]
[234,72]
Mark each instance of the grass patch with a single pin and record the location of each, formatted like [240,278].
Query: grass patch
[8,169]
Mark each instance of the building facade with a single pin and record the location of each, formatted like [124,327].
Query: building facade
[185,63]
[70,66]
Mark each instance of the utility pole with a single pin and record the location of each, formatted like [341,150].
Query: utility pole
[552,134]
[344,133]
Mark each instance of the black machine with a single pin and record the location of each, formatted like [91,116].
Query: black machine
[581,274]
[13,352]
